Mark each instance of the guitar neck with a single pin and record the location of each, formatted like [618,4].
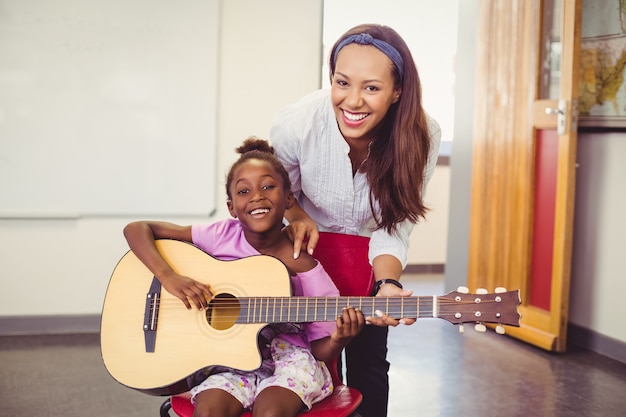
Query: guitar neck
[310,309]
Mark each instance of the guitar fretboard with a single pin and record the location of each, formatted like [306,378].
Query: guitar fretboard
[310,309]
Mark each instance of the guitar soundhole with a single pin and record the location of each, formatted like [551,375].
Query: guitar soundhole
[223,311]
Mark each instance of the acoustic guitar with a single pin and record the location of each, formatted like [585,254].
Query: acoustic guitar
[151,342]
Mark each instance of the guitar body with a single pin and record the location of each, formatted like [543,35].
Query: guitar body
[185,341]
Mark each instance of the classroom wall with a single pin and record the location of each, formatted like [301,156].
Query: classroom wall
[429,240]
[104,107]
[457,251]
[60,267]
[598,262]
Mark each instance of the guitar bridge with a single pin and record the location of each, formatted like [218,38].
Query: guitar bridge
[151,314]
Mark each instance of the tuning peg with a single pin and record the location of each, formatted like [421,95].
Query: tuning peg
[463,290]
[500,329]
[500,290]
[461,328]
[482,291]
[479,327]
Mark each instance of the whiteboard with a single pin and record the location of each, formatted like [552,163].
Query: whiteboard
[108,107]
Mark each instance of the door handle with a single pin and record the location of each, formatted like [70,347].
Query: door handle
[561,116]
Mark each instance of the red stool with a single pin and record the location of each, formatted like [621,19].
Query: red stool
[344,257]
[341,403]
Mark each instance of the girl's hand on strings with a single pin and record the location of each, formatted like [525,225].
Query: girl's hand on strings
[188,290]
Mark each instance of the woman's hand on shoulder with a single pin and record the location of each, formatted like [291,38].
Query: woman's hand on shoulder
[304,235]
[302,231]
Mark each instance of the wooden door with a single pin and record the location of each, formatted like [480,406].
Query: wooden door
[523,171]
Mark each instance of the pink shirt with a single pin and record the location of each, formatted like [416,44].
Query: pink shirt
[225,240]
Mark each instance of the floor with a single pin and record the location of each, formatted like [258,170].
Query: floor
[435,372]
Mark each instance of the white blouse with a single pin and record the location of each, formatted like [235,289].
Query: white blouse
[308,142]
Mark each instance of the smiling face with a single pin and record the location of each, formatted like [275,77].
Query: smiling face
[363,89]
[258,196]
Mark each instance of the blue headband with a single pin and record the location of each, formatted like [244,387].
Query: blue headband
[367,39]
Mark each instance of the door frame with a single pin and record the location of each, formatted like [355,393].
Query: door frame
[505,164]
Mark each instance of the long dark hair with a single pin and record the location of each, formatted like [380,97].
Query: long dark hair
[397,159]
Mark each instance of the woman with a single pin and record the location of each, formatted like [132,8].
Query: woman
[360,156]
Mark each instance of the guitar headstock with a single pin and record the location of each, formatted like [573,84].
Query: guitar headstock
[500,307]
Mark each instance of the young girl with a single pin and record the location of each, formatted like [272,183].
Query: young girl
[292,376]
[360,156]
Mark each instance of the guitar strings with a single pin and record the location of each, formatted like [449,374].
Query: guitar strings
[165,303]
[267,309]
[312,300]
[232,320]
